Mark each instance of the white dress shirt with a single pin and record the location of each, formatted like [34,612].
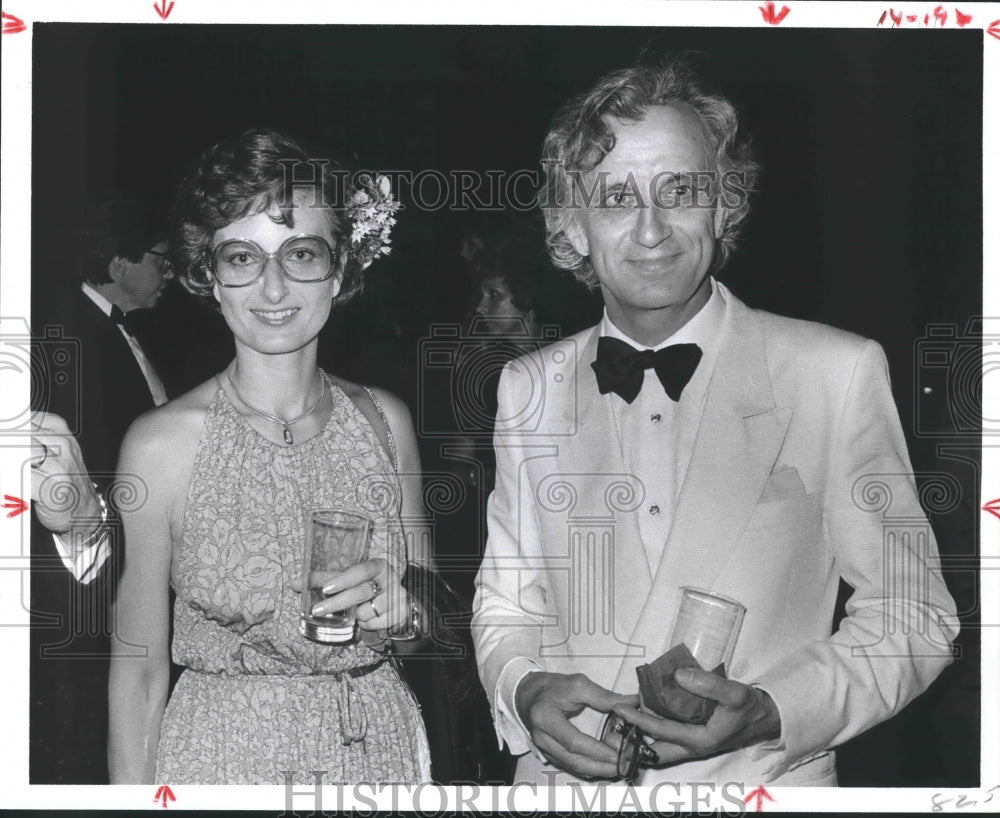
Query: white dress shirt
[654,433]
[656,436]
[85,562]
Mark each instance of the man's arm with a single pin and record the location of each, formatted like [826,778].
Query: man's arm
[896,637]
[506,632]
[507,623]
[65,500]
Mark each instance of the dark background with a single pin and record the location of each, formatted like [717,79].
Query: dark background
[869,216]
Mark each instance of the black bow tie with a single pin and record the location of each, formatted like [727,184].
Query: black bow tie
[123,319]
[620,368]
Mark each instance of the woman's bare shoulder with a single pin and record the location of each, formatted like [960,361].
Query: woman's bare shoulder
[391,405]
[353,390]
[174,427]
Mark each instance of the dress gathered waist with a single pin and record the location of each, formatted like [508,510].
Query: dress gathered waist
[322,676]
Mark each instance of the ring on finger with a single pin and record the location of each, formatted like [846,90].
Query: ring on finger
[45,456]
[372,603]
[376,588]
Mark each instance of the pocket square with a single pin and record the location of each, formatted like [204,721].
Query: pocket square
[783,484]
[660,694]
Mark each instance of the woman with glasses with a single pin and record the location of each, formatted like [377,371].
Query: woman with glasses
[223,480]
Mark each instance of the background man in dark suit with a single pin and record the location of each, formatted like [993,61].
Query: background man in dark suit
[96,379]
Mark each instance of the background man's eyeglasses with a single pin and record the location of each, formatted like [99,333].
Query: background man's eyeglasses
[162,258]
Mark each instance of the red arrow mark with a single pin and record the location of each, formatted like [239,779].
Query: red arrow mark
[12,24]
[15,503]
[994,29]
[993,507]
[164,793]
[759,794]
[163,9]
[769,14]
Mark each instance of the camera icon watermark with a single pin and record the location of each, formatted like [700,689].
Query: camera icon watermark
[50,363]
[459,372]
[953,370]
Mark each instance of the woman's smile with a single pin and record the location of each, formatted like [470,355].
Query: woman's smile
[275,318]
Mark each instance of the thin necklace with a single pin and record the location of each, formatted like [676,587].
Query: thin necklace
[285,424]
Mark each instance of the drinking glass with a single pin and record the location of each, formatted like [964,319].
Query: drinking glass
[335,540]
[708,624]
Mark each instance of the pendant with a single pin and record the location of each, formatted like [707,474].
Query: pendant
[288,436]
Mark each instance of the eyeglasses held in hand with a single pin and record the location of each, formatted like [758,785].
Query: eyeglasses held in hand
[633,752]
[240,262]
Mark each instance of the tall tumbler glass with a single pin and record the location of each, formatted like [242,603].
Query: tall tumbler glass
[708,624]
[335,540]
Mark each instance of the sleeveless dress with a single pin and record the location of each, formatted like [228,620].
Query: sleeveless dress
[258,703]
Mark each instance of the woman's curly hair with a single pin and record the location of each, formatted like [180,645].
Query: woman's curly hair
[248,174]
[581,137]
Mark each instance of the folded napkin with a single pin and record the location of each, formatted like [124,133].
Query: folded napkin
[660,694]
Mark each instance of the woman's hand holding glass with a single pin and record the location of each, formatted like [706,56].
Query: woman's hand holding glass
[374,587]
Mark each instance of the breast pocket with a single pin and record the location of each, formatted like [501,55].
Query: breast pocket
[797,512]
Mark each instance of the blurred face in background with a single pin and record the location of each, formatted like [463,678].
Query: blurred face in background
[494,310]
[141,283]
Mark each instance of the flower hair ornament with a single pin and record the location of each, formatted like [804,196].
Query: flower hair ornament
[372,211]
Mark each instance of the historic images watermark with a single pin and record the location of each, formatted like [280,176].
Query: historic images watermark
[554,797]
[521,190]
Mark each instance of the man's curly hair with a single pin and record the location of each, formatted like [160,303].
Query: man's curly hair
[580,138]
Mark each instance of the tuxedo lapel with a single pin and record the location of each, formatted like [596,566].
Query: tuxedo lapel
[739,437]
[591,459]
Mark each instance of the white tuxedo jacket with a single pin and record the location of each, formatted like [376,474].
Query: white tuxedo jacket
[799,476]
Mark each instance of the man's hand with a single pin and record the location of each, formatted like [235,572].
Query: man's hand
[546,701]
[62,494]
[744,716]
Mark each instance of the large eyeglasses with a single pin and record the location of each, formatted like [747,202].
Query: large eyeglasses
[240,262]
[633,752]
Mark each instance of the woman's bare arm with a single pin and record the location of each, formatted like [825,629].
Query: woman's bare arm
[155,460]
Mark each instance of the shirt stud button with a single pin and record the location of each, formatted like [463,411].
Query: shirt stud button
[654,509]
[655,417]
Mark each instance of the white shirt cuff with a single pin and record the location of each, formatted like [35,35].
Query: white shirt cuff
[509,726]
[84,563]
[776,750]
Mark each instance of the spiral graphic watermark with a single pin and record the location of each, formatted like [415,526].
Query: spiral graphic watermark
[127,493]
[444,492]
[557,493]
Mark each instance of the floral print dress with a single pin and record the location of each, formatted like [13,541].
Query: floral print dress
[258,703]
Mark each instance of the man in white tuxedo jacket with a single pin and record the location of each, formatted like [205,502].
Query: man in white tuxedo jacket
[760,458]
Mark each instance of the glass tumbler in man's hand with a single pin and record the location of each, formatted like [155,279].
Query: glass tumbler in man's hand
[704,637]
